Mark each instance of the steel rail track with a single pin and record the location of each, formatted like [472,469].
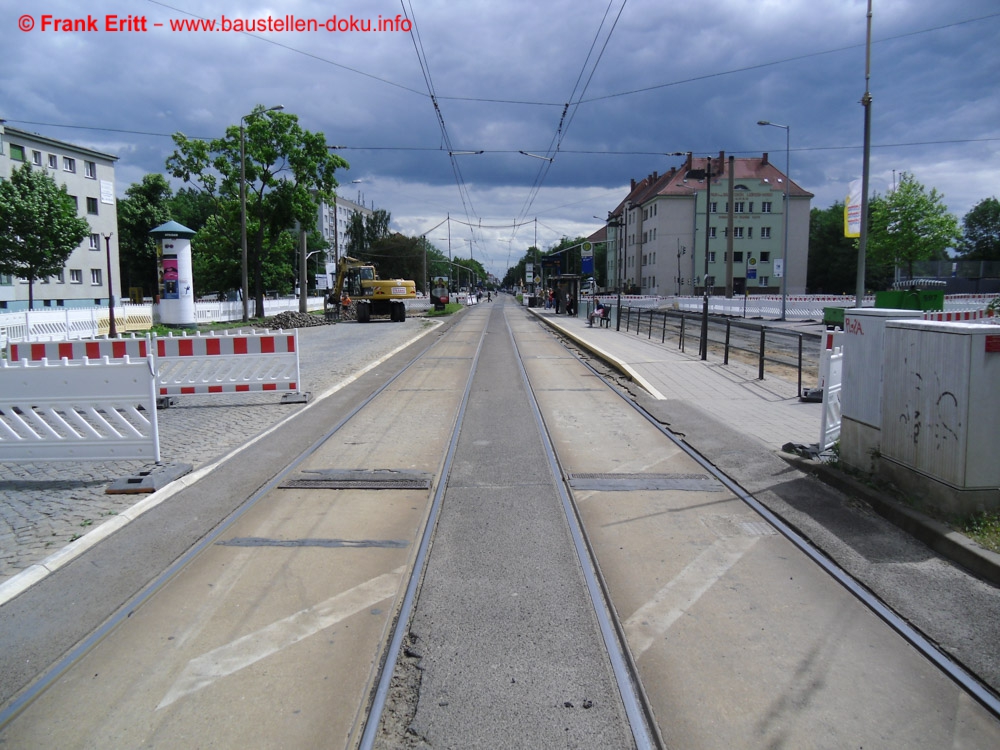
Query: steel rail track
[949,666]
[405,611]
[59,668]
[636,704]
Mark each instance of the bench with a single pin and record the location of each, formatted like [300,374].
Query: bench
[604,319]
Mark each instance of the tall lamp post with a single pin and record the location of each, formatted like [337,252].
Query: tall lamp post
[112,331]
[788,180]
[243,203]
[619,224]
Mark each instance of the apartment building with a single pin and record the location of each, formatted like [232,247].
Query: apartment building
[89,177]
[334,219]
[656,235]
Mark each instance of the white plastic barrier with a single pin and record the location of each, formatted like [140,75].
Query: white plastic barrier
[829,431]
[78,349]
[78,411]
[189,365]
[228,363]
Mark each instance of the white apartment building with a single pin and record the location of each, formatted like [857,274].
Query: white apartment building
[89,177]
[658,233]
[334,219]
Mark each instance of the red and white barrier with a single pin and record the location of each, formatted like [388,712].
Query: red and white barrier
[229,363]
[78,350]
[191,365]
[956,316]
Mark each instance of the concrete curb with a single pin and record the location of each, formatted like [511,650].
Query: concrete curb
[617,364]
[936,535]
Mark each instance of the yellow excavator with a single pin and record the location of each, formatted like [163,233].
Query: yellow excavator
[374,296]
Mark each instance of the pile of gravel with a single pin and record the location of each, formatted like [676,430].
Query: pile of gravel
[288,319]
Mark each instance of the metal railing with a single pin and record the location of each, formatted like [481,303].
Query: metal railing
[751,343]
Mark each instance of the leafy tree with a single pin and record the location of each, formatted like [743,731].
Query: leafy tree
[909,225]
[399,257]
[357,240]
[833,258]
[377,226]
[39,228]
[288,170]
[981,231]
[146,205]
[192,208]
[363,233]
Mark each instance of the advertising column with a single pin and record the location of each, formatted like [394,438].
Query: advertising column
[176,282]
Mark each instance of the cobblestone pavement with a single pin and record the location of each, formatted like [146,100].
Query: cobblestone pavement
[44,506]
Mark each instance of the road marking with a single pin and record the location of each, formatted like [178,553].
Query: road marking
[654,618]
[225,660]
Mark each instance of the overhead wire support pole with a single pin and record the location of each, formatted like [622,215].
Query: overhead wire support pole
[866,102]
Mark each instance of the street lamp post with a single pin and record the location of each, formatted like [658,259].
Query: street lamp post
[243,204]
[788,180]
[112,331]
[618,261]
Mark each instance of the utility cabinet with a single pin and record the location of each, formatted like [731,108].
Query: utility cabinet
[941,408]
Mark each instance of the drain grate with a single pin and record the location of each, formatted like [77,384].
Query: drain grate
[359,479]
[623,482]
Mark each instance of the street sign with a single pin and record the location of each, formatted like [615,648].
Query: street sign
[751,273]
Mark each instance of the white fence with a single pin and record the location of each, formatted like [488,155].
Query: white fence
[78,411]
[59,324]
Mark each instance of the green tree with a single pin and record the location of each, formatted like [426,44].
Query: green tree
[363,233]
[833,258]
[192,208]
[39,228]
[910,225]
[288,170]
[397,256]
[146,205]
[981,231]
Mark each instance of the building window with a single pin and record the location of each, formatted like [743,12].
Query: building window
[75,276]
[53,161]
[90,169]
[92,206]
[764,280]
[713,207]
[95,276]
[765,257]
[749,233]
[69,165]
[95,242]
[60,278]
[751,207]
[765,207]
[16,152]
[738,233]
[765,233]
[737,256]
[738,207]
[6,279]
[711,233]
[36,158]
[711,256]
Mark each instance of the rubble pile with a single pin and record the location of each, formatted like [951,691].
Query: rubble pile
[288,319]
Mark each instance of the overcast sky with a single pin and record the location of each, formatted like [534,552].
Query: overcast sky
[641,78]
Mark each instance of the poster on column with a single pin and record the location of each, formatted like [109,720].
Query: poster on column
[170,277]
